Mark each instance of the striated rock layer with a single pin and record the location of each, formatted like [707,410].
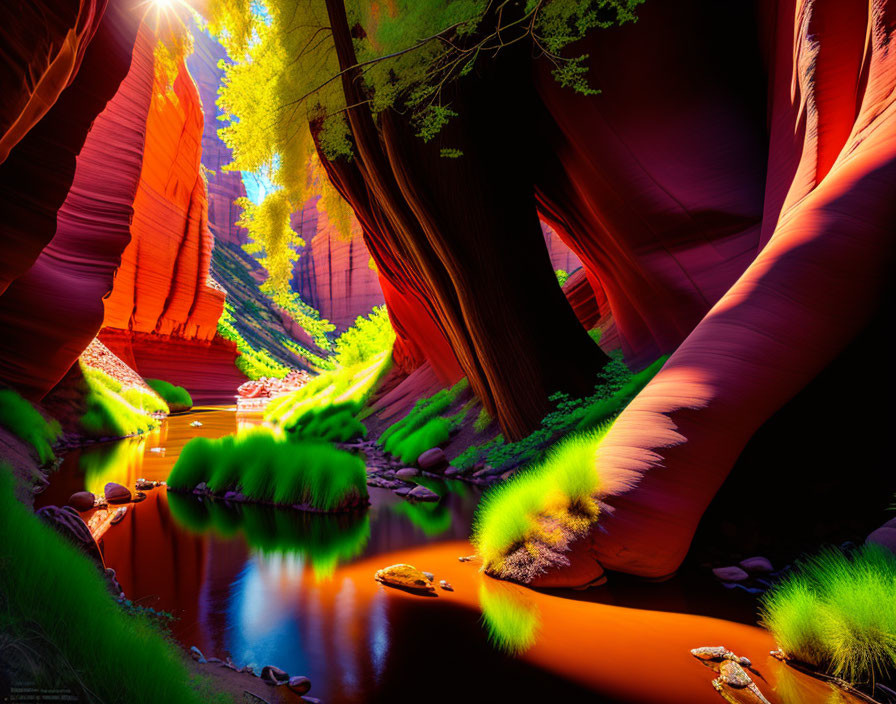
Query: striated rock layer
[37,175]
[205,368]
[52,311]
[333,274]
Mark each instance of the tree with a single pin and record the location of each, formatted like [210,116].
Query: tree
[390,97]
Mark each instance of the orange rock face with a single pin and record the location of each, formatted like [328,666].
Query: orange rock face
[163,285]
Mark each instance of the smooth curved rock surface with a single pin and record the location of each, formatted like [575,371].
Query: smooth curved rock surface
[43,46]
[53,311]
[37,175]
[822,269]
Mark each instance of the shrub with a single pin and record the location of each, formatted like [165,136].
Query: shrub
[333,423]
[144,400]
[23,420]
[483,420]
[368,337]
[39,617]
[616,387]
[562,276]
[268,468]
[837,613]
[561,488]
[109,415]
[421,424]
[177,397]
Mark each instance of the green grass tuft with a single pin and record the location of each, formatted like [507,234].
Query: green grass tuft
[266,467]
[562,486]
[177,397]
[110,413]
[335,422]
[22,419]
[51,595]
[838,613]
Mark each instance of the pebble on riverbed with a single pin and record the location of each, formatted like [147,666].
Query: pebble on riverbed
[446,586]
[404,577]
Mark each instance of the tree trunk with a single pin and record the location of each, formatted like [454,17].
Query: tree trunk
[463,235]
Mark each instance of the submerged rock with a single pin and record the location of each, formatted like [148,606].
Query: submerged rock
[82,500]
[757,565]
[730,574]
[116,493]
[404,576]
[299,685]
[421,493]
[119,515]
[446,586]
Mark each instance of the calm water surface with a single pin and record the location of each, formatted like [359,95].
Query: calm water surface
[267,586]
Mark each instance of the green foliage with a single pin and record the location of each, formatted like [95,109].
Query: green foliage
[616,387]
[251,362]
[562,276]
[39,617]
[368,337]
[561,487]
[340,385]
[838,613]
[109,413]
[332,423]
[145,400]
[511,621]
[422,425]
[282,74]
[322,540]
[267,467]
[177,397]
[22,419]
[483,420]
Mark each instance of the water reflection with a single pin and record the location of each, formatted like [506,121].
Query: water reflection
[321,541]
[120,462]
[510,618]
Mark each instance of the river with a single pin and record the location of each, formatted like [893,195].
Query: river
[266,586]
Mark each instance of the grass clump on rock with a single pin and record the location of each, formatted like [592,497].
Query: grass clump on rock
[52,596]
[837,613]
[177,397]
[22,419]
[266,467]
[523,526]
[113,411]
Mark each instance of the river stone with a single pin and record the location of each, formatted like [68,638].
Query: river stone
[734,675]
[446,586]
[730,574]
[433,460]
[407,472]
[299,685]
[421,493]
[402,491]
[452,472]
[757,565]
[120,513]
[274,675]
[116,493]
[406,576]
[197,655]
[885,536]
[82,500]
